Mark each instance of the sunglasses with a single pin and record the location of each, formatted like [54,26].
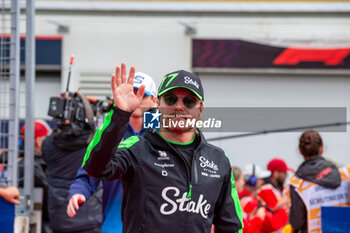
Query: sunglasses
[189,101]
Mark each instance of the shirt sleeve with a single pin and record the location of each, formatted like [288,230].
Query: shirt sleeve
[102,160]
[83,184]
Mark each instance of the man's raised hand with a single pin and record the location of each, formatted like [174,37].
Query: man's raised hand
[123,89]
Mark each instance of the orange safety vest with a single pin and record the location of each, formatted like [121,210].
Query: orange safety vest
[315,196]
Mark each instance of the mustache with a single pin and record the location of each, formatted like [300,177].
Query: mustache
[178,113]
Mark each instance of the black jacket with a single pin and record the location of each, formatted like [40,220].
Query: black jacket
[162,193]
[62,165]
[309,170]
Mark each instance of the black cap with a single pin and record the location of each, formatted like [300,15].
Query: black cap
[182,79]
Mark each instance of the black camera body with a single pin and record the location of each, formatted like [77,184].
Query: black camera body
[67,109]
[74,113]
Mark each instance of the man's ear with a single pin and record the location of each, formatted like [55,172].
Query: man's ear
[155,101]
[201,106]
[37,141]
[37,144]
[158,102]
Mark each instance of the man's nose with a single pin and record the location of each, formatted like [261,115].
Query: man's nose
[179,104]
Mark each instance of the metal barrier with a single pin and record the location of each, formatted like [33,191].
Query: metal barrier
[10,50]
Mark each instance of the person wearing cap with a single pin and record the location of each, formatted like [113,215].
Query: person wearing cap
[270,193]
[272,189]
[278,168]
[253,178]
[41,131]
[83,185]
[255,203]
[174,181]
[252,221]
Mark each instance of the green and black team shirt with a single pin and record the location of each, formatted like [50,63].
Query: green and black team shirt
[163,192]
[186,149]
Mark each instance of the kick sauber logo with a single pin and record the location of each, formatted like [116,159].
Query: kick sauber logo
[201,206]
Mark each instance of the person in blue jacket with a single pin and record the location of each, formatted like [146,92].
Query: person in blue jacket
[83,185]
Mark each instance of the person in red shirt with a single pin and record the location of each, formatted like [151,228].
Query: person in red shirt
[246,184]
[270,193]
[259,215]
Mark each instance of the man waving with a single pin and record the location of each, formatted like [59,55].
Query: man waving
[173,180]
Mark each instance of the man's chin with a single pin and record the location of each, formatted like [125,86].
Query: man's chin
[177,125]
[137,114]
[179,130]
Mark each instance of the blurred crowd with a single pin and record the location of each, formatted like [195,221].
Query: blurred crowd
[77,203]
[270,203]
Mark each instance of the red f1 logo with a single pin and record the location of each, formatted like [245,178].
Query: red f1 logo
[330,57]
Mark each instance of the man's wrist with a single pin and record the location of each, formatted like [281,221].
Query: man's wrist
[116,109]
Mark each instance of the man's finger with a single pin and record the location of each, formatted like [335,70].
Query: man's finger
[16,202]
[75,203]
[70,211]
[114,83]
[131,76]
[69,207]
[123,72]
[118,75]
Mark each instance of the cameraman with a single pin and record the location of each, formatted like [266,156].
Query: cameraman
[63,152]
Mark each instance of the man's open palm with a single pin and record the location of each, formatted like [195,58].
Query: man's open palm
[123,89]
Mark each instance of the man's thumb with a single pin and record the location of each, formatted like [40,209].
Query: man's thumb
[16,202]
